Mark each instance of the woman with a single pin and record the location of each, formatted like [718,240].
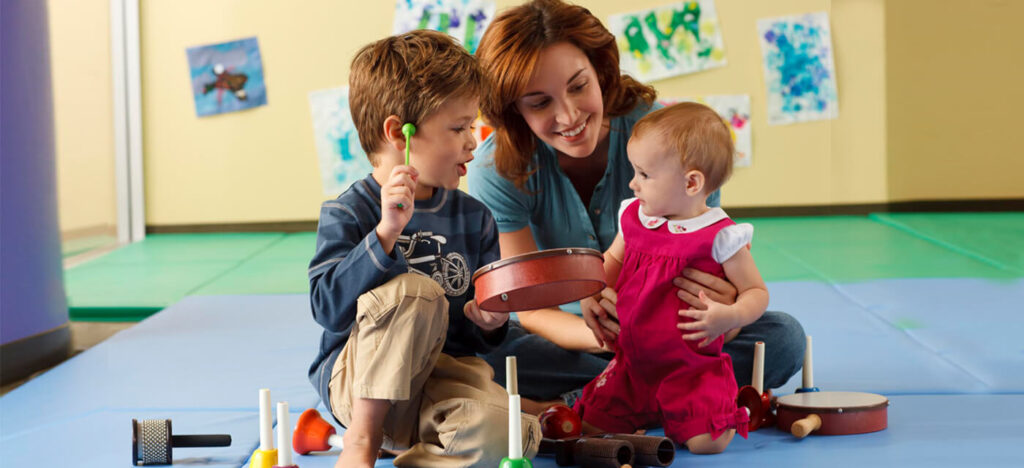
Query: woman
[554,172]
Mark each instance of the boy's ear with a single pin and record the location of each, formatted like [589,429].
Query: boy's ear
[393,135]
[694,182]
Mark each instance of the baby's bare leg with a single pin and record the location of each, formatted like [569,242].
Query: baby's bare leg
[363,437]
[703,445]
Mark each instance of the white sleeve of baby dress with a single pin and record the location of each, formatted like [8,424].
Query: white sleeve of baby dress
[730,240]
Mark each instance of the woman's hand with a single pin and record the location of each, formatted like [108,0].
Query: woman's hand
[709,322]
[694,281]
[601,316]
[487,321]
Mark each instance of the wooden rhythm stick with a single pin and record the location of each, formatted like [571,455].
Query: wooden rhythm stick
[515,425]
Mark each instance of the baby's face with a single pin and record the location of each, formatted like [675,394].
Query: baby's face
[659,180]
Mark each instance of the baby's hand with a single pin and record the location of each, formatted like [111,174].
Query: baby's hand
[485,320]
[709,324]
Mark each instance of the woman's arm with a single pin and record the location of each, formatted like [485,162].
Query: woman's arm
[556,325]
[599,312]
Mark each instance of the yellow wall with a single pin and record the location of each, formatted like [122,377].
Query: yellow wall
[828,162]
[260,165]
[955,74]
[83,115]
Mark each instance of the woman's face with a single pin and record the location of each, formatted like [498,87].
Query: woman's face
[562,103]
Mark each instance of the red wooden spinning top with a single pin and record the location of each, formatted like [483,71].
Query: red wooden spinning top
[754,397]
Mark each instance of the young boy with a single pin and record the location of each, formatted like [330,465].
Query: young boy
[390,280]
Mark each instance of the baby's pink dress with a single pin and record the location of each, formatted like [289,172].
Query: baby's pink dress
[657,378]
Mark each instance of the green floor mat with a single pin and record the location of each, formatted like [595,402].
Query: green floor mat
[140,279]
[995,238]
[121,292]
[856,248]
[184,248]
[776,265]
[261,276]
[280,268]
[294,246]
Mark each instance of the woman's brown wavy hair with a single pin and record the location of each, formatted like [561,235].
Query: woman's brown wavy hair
[508,53]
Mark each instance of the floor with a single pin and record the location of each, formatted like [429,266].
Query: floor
[918,307]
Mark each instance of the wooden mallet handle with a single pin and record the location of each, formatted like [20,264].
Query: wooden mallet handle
[805,426]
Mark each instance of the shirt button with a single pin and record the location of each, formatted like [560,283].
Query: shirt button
[597,211]
[591,236]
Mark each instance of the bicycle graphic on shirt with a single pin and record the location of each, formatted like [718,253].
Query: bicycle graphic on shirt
[449,270]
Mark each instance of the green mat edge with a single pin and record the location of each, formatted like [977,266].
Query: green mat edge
[111,314]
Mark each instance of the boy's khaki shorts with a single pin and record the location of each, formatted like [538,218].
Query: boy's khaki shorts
[446,411]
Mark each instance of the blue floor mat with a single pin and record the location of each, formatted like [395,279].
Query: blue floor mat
[952,367]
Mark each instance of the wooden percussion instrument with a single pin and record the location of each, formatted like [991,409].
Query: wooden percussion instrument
[541,279]
[831,413]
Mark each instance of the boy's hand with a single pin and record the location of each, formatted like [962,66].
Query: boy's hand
[601,316]
[487,321]
[710,323]
[398,190]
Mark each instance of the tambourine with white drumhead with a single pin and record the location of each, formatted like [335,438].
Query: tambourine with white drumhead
[541,279]
[831,413]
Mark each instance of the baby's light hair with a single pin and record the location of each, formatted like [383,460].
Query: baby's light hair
[700,136]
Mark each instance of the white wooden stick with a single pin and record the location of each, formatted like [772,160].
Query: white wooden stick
[808,373]
[511,375]
[284,447]
[266,421]
[515,429]
[757,379]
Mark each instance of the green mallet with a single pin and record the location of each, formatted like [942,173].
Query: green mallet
[408,130]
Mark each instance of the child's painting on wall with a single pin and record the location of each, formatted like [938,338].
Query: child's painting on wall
[342,159]
[227,77]
[671,40]
[735,111]
[798,67]
[465,20]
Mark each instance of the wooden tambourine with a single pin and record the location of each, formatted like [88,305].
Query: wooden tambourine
[539,279]
[831,413]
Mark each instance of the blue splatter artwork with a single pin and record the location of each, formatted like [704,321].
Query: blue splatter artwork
[799,68]
[342,159]
[464,20]
[227,77]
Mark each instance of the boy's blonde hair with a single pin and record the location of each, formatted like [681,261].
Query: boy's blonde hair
[409,75]
[700,136]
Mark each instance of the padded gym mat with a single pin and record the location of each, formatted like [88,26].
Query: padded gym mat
[201,362]
[140,279]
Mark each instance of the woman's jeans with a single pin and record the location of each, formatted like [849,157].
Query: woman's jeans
[548,372]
